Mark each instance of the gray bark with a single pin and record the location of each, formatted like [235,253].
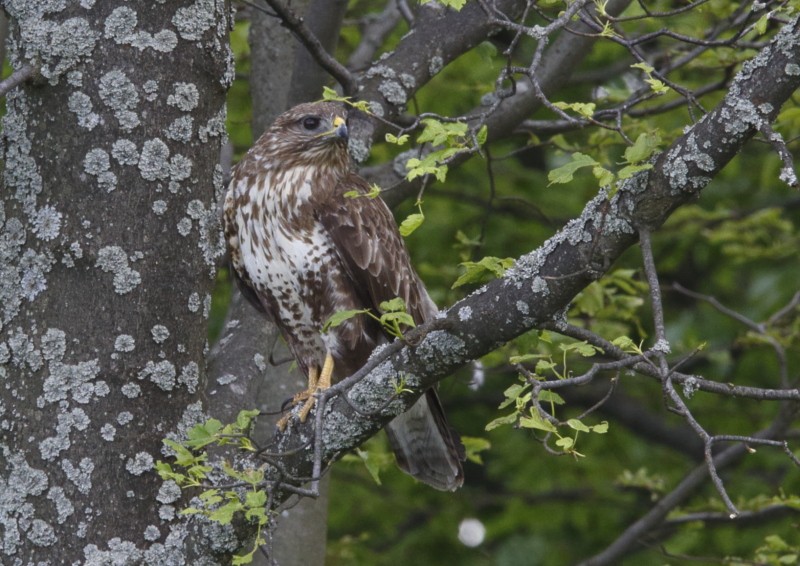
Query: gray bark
[248,339]
[3,35]
[273,50]
[324,19]
[109,245]
[535,292]
[558,63]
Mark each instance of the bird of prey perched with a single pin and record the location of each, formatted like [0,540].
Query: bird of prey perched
[302,251]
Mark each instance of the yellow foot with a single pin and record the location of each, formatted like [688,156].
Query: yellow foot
[313,371]
[323,383]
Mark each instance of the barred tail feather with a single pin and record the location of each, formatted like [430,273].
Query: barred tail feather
[425,446]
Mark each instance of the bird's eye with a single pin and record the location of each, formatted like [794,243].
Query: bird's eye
[311,123]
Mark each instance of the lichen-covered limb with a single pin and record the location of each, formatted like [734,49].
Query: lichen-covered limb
[556,66]
[439,37]
[541,284]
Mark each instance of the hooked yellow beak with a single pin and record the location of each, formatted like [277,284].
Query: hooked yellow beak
[339,130]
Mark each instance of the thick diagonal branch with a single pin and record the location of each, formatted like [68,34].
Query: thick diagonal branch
[541,284]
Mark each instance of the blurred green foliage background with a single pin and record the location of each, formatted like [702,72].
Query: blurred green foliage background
[738,242]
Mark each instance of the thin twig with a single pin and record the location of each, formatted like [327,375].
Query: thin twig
[17,78]
[788,174]
[662,348]
[720,307]
[297,26]
[790,306]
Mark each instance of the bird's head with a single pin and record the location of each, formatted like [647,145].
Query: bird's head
[311,134]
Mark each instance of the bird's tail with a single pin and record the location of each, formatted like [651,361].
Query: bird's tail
[426,447]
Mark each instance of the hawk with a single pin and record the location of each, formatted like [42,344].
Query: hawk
[302,251]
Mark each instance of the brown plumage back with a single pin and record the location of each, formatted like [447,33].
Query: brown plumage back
[302,251]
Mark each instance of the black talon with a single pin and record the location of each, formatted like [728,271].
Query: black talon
[286,402]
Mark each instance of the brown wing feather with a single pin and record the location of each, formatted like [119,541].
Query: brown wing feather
[372,250]
[377,261]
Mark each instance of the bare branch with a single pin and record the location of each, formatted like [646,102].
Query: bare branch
[373,35]
[310,42]
[17,78]
[788,174]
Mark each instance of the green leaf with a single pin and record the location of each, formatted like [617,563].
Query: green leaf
[224,514]
[565,443]
[434,132]
[512,393]
[508,419]
[198,472]
[644,67]
[397,140]
[564,173]
[631,170]
[551,397]
[623,343]
[374,191]
[537,422]
[486,51]
[428,166]
[257,513]
[339,317]
[204,434]
[585,109]
[165,472]
[208,494]
[601,428]
[543,366]
[603,176]
[411,223]
[474,445]
[657,86]
[643,148]
[482,135]
[577,425]
[761,24]
[475,271]
[438,133]
[400,317]
[183,456]
[330,94]
[395,305]
[583,348]
[245,417]
[454,4]
[255,498]
[373,467]
[526,358]
[190,511]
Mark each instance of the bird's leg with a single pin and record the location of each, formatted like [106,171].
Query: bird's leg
[313,371]
[321,385]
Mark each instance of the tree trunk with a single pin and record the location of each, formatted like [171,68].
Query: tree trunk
[110,243]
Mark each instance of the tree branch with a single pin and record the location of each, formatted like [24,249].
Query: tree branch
[373,35]
[310,42]
[542,283]
[556,66]
[17,78]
